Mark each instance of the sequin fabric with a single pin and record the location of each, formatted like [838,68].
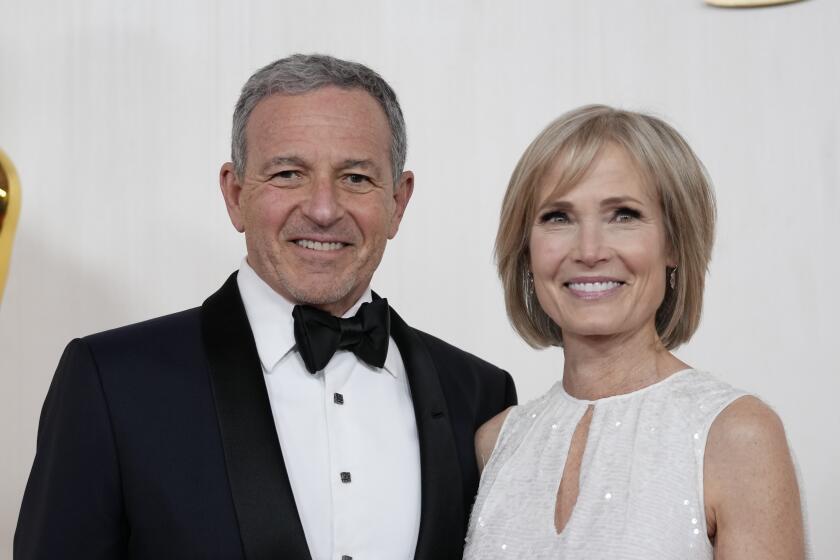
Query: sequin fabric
[641,481]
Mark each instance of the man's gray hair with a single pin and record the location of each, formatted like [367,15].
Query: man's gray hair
[302,73]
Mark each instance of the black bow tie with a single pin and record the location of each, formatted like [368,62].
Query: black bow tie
[319,334]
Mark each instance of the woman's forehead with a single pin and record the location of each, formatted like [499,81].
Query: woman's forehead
[610,171]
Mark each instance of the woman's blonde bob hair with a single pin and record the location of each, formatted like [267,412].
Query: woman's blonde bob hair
[665,162]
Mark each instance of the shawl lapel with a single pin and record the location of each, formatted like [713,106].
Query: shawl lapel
[442,512]
[269,523]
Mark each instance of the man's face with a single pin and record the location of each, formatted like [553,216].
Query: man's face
[317,202]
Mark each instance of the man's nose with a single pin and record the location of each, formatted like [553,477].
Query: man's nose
[591,248]
[323,205]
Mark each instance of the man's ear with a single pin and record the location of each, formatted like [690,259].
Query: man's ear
[231,191]
[402,194]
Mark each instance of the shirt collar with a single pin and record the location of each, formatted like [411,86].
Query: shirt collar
[270,317]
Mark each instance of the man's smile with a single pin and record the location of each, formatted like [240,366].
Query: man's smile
[320,245]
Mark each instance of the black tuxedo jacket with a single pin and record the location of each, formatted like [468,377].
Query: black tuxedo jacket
[157,441]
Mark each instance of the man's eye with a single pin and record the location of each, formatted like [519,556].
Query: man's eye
[554,217]
[625,215]
[286,174]
[357,179]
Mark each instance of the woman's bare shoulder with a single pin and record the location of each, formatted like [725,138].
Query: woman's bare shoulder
[486,436]
[744,435]
[750,487]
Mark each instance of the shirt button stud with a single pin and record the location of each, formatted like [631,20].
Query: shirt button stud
[338,398]
[345,477]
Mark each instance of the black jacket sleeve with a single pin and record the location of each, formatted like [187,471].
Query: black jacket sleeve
[72,506]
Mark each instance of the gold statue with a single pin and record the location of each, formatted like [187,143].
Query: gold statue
[748,3]
[9,211]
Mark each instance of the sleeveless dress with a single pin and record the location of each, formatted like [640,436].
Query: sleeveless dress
[641,477]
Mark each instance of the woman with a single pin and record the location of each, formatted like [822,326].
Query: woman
[605,236]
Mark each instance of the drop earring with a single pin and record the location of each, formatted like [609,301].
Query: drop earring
[673,279]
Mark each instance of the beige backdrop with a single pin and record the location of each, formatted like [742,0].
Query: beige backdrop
[117,115]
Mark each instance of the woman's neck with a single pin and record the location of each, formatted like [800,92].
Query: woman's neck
[603,366]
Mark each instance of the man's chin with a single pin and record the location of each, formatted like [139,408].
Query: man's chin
[336,298]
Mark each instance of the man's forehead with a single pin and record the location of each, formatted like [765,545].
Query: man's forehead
[301,160]
[339,117]
[326,102]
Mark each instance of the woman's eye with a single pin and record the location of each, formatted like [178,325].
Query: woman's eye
[624,215]
[554,217]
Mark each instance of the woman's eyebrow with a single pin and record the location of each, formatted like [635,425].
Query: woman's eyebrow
[556,204]
[618,200]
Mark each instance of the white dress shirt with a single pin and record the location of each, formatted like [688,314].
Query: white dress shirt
[348,435]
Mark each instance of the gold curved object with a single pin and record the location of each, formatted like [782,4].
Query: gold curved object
[748,3]
[9,212]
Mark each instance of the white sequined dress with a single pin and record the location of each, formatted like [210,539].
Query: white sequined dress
[641,477]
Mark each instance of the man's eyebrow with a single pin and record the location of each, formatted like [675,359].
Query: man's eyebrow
[284,160]
[358,164]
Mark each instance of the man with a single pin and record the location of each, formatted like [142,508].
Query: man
[260,425]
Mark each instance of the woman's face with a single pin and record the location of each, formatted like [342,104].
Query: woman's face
[598,251]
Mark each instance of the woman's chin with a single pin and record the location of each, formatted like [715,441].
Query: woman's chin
[600,331]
